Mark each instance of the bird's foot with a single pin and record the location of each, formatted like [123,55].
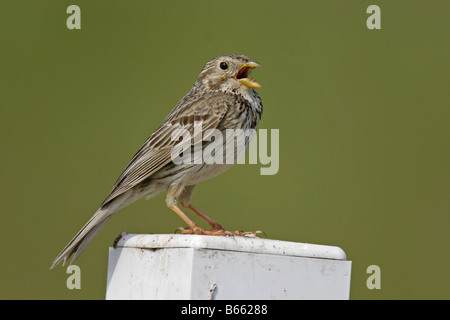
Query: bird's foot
[248,234]
[220,232]
[209,232]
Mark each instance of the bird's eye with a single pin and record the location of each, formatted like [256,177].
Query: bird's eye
[223,65]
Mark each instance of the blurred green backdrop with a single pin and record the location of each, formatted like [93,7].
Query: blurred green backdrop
[363,118]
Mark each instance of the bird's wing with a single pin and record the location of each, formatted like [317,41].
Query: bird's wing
[155,153]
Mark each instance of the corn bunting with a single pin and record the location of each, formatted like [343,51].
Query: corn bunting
[222,98]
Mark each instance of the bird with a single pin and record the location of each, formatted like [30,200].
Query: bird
[222,98]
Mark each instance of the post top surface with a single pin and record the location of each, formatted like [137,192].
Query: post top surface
[240,244]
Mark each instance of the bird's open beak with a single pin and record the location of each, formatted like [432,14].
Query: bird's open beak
[242,75]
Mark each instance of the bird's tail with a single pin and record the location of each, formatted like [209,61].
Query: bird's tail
[84,236]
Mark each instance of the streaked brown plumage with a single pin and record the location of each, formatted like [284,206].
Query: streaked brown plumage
[222,98]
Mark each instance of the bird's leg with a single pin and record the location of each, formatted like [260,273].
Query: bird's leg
[211,222]
[217,229]
[185,199]
[185,194]
[193,227]
[172,193]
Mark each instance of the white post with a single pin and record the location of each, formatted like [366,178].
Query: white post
[180,266]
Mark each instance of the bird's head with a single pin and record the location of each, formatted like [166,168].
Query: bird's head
[228,74]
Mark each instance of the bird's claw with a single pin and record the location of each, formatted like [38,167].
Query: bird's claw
[220,232]
[249,234]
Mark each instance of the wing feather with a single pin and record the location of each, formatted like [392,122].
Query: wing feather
[155,153]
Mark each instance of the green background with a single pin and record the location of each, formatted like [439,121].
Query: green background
[363,118]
